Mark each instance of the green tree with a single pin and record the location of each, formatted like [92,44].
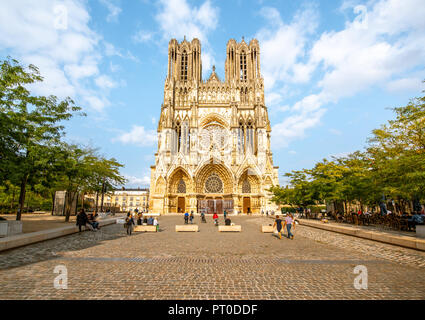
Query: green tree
[85,171]
[30,125]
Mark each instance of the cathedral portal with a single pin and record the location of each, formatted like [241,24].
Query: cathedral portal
[213,136]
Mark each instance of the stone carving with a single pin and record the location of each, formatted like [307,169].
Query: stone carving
[209,134]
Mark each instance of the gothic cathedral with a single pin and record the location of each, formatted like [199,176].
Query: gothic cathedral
[213,136]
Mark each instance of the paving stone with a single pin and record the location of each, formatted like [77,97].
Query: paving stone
[208,264]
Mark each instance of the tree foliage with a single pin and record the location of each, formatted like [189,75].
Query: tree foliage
[32,151]
[392,166]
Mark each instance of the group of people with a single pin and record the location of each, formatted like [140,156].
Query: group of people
[267,212]
[129,222]
[189,217]
[288,222]
[85,220]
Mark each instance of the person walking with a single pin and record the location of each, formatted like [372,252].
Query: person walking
[186,218]
[278,225]
[203,217]
[215,218]
[81,219]
[225,214]
[155,223]
[289,222]
[129,223]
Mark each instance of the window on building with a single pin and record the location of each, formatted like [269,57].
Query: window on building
[184,66]
[243,68]
[241,137]
[181,187]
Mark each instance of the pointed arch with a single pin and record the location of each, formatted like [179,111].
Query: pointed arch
[160,185]
[175,181]
[212,171]
[249,182]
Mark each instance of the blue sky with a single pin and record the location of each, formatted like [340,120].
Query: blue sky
[331,68]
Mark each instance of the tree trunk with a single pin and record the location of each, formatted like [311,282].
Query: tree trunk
[53,203]
[70,200]
[13,200]
[103,193]
[82,200]
[22,197]
[97,202]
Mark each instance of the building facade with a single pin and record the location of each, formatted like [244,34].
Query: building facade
[123,200]
[213,136]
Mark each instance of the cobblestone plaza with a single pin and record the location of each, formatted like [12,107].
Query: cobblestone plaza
[108,264]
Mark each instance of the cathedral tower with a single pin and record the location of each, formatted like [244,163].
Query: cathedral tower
[213,135]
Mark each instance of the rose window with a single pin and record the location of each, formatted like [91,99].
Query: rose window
[213,136]
[213,184]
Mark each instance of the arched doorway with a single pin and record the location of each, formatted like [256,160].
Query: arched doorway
[246,204]
[179,185]
[214,185]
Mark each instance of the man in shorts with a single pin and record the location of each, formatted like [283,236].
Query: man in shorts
[278,225]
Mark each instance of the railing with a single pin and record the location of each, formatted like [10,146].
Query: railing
[389,221]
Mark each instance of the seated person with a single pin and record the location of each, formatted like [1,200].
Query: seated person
[150,221]
[92,221]
[227,222]
[145,221]
[418,218]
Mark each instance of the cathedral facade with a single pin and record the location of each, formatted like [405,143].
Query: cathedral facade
[213,136]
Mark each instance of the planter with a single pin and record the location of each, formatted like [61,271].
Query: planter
[10,228]
[420,231]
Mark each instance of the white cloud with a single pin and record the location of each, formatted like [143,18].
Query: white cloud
[177,19]
[113,9]
[96,103]
[381,47]
[413,84]
[105,82]
[110,51]
[138,136]
[283,45]
[133,181]
[55,37]
[142,36]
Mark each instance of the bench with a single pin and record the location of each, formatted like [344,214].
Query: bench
[187,228]
[267,229]
[237,228]
[149,228]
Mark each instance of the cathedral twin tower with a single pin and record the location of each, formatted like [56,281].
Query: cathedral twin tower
[213,136]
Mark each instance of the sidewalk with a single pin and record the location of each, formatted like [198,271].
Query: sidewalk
[399,238]
[45,234]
